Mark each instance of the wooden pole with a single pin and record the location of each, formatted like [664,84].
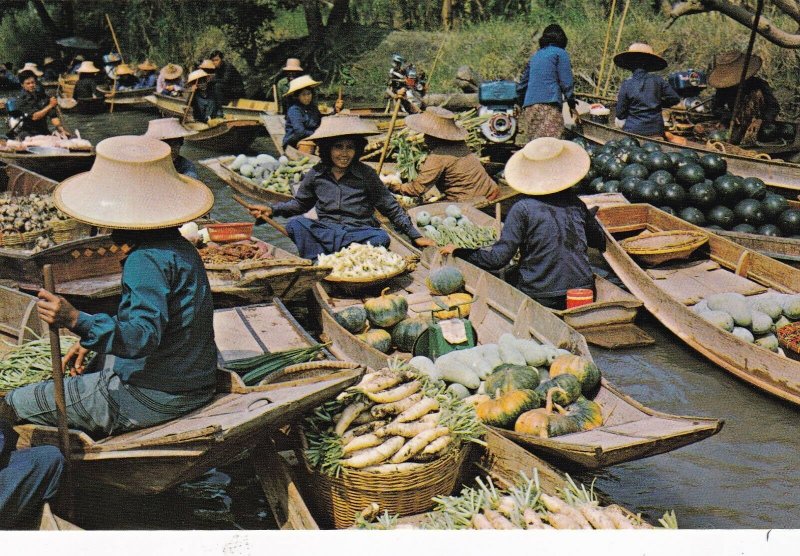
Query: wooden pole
[616,44]
[743,77]
[116,42]
[605,46]
[267,219]
[436,59]
[58,108]
[389,134]
[113,93]
[58,382]
[189,104]
[275,96]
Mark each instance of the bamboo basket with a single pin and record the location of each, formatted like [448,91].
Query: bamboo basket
[405,493]
[660,247]
[355,286]
[67,230]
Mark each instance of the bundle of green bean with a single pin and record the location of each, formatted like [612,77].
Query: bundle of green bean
[254,369]
[273,174]
[29,362]
[467,235]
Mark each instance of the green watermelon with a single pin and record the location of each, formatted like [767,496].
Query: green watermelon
[774,205]
[648,192]
[627,186]
[689,174]
[674,195]
[713,165]
[658,160]
[789,222]
[693,215]
[730,189]
[769,230]
[651,147]
[722,216]
[702,195]
[745,228]
[635,170]
[754,188]
[750,211]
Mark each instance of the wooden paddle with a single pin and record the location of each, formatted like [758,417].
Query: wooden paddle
[58,382]
[389,134]
[267,219]
[188,104]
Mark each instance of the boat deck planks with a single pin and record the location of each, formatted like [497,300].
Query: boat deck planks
[694,282]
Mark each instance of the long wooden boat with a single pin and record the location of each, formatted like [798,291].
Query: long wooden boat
[670,290]
[153,459]
[240,184]
[56,167]
[51,522]
[241,109]
[630,430]
[127,97]
[230,136]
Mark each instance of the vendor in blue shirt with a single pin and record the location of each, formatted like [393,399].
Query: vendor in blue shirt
[156,358]
[345,193]
[147,75]
[302,116]
[172,133]
[643,95]
[549,226]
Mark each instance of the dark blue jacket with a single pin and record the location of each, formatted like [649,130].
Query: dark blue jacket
[552,234]
[301,121]
[547,78]
[640,100]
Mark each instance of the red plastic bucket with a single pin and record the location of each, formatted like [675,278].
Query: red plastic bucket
[579,296]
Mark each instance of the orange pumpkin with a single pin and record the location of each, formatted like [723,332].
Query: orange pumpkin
[581,368]
[503,410]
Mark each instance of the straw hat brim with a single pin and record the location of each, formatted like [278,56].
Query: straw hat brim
[632,60]
[728,75]
[343,126]
[436,127]
[291,68]
[544,177]
[147,67]
[306,84]
[172,74]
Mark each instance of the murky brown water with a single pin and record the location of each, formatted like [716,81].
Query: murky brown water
[745,477]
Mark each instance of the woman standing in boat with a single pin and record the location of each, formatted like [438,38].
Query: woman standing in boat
[156,358]
[345,193]
[643,95]
[550,226]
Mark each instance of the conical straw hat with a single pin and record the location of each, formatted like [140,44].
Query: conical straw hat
[167,128]
[88,67]
[147,65]
[133,185]
[124,69]
[728,69]
[341,126]
[547,165]
[640,55]
[195,75]
[292,64]
[171,71]
[302,82]
[207,65]
[30,66]
[437,122]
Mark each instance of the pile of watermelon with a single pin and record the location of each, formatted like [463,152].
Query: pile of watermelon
[695,187]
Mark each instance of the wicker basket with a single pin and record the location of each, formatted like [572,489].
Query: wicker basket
[356,286]
[660,247]
[13,240]
[68,230]
[403,493]
[789,340]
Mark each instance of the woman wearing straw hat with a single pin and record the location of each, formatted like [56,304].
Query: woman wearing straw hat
[550,227]
[147,75]
[292,70]
[156,357]
[302,116]
[204,105]
[86,87]
[126,79]
[758,100]
[50,68]
[169,82]
[172,133]
[450,166]
[345,193]
[643,95]
[34,106]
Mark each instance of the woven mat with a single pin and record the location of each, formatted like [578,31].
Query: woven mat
[692,283]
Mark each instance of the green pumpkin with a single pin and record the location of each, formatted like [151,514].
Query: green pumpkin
[386,310]
[353,319]
[570,385]
[379,339]
[503,411]
[581,368]
[544,422]
[445,280]
[508,377]
[587,414]
[406,332]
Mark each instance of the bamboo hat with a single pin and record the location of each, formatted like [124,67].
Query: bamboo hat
[195,75]
[547,165]
[292,64]
[302,82]
[342,125]
[207,65]
[48,60]
[30,66]
[437,122]
[171,71]
[640,55]
[133,185]
[147,65]
[165,129]
[124,69]
[88,67]
[728,69]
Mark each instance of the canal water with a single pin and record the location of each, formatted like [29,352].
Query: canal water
[744,477]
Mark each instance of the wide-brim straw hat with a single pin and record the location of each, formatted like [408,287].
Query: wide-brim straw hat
[437,122]
[48,60]
[640,55]
[88,67]
[147,65]
[133,185]
[342,125]
[300,83]
[124,69]
[728,69]
[30,66]
[207,65]
[547,165]
[165,129]
[292,64]
[195,75]
[172,71]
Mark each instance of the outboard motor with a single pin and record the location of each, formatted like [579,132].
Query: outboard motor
[498,99]
[689,84]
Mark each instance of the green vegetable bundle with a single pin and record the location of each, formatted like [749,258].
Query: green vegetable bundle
[254,369]
[29,362]
[467,235]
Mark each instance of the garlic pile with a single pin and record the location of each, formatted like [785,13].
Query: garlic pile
[27,214]
[362,261]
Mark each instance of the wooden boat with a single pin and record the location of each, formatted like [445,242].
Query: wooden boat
[240,184]
[57,166]
[51,522]
[227,136]
[669,291]
[127,97]
[153,459]
[630,430]
[241,109]
[94,105]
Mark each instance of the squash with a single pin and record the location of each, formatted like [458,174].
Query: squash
[570,389]
[456,305]
[406,332]
[543,422]
[386,310]
[445,280]
[503,411]
[581,368]
[507,345]
[587,414]
[353,319]
[425,366]
[379,339]
[508,377]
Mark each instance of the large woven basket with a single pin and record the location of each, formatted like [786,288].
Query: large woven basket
[659,247]
[789,339]
[69,229]
[14,240]
[405,493]
[358,285]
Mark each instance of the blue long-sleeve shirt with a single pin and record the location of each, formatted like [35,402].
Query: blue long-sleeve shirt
[640,100]
[547,78]
[350,201]
[552,234]
[147,81]
[163,333]
[301,121]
